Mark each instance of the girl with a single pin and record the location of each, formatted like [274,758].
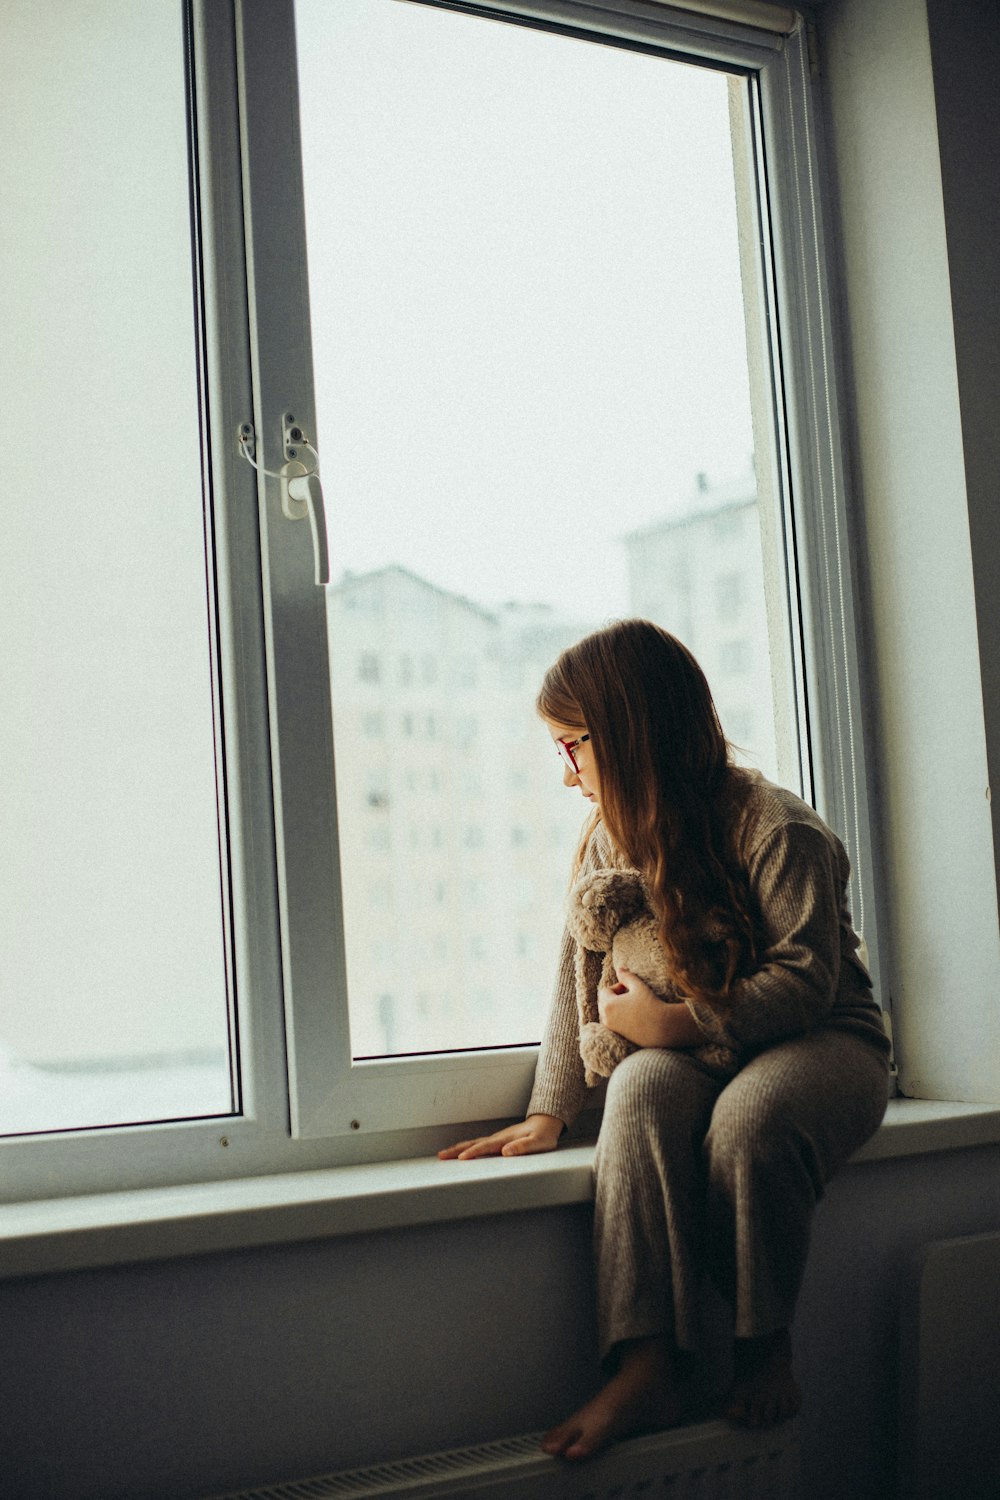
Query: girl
[695,1168]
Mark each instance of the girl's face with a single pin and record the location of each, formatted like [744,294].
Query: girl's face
[586,778]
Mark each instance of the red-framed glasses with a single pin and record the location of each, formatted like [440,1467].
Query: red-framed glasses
[566,750]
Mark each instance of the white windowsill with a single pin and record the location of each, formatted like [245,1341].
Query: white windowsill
[153,1224]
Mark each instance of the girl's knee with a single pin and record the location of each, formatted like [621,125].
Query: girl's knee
[751,1123]
[660,1084]
[800,1103]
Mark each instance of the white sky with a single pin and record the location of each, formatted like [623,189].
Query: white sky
[527,323]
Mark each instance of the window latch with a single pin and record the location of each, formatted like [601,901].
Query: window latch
[301,487]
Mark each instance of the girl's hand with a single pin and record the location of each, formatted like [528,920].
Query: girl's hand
[640,1016]
[536,1133]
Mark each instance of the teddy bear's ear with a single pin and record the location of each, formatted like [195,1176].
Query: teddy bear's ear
[591,918]
[624,890]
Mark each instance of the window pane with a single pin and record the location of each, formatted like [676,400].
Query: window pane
[534,415]
[113,992]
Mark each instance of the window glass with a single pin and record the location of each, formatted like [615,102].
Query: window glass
[533,416]
[113,982]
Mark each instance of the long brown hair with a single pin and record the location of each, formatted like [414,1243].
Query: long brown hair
[668,791]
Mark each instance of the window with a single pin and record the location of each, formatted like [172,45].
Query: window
[734,657]
[453,567]
[115,960]
[729,593]
[368,667]
[465,672]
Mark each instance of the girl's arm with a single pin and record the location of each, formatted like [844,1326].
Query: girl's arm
[560,1084]
[640,1016]
[559,1089]
[798,875]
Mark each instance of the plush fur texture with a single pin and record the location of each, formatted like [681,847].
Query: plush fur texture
[609,916]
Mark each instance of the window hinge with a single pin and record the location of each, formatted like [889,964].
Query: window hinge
[812,48]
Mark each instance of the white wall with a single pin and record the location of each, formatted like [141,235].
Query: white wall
[915,475]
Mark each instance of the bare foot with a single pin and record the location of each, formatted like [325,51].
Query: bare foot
[640,1396]
[764,1391]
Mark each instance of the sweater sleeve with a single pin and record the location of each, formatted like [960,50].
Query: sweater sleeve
[559,1088]
[797,877]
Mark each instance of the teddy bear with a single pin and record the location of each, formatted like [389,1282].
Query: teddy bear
[609,915]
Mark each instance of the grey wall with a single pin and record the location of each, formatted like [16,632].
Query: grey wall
[182,1378]
[965,52]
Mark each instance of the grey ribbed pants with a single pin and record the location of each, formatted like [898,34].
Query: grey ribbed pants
[694,1174]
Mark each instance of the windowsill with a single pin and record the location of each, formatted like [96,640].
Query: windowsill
[153,1224]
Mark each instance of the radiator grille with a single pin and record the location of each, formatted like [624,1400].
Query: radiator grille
[709,1462]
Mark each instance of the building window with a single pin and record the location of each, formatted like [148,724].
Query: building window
[368,667]
[387,1020]
[729,594]
[465,672]
[727,526]
[734,658]
[739,726]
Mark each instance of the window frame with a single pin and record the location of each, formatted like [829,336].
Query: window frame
[304,1102]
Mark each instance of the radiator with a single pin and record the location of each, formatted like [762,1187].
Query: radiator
[712,1461]
[950,1371]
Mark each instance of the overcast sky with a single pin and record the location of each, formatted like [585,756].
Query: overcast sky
[527,322]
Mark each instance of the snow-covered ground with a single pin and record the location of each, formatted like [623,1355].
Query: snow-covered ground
[41,1099]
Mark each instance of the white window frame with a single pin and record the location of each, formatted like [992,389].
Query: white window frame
[303,1101]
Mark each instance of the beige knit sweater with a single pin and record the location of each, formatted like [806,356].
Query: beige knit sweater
[810,976]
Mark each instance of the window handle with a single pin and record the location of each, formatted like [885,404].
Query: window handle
[302,495]
[301,488]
